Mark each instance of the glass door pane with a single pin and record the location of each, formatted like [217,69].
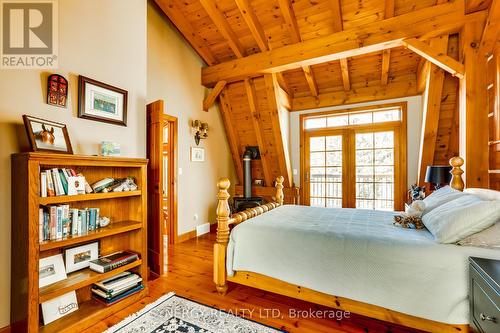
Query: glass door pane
[325,172]
[375,175]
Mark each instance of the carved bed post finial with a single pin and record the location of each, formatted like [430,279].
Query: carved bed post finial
[279,190]
[457,182]
[222,239]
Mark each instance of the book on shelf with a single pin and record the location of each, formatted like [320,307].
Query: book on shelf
[110,301]
[108,263]
[117,283]
[61,221]
[55,182]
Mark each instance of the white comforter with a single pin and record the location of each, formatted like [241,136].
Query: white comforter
[358,254]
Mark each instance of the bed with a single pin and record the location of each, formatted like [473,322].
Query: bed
[349,259]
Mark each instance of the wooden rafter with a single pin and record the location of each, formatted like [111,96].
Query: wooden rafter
[491,34]
[423,69]
[438,58]
[220,21]
[358,95]
[284,85]
[344,68]
[386,54]
[281,143]
[291,22]
[255,115]
[175,15]
[338,26]
[253,23]
[234,146]
[210,100]
[376,36]
[432,107]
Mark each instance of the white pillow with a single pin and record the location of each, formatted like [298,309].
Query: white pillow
[489,237]
[461,217]
[484,193]
[439,197]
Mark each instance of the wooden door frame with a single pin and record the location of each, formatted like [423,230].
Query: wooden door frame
[155,124]
[400,193]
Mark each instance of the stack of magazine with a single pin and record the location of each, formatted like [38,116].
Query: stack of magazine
[117,287]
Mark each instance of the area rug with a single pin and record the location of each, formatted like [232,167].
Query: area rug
[172,314]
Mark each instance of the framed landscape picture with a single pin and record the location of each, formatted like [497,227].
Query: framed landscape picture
[80,257]
[47,135]
[51,270]
[101,102]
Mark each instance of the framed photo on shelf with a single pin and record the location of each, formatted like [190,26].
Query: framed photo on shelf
[101,102]
[79,257]
[47,135]
[58,307]
[51,270]
[197,154]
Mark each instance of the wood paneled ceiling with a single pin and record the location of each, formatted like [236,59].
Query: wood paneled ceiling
[324,53]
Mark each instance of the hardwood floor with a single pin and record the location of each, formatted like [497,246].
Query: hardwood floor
[190,276]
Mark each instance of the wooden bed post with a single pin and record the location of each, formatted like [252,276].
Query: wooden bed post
[222,239]
[279,190]
[457,182]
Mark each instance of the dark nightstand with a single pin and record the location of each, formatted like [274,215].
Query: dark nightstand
[484,279]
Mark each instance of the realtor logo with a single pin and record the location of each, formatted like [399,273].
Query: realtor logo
[29,34]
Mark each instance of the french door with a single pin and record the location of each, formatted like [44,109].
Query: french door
[358,167]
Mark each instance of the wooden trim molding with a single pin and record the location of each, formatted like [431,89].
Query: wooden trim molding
[186,236]
[5,329]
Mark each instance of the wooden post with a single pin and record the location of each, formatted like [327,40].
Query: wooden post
[279,190]
[457,182]
[222,239]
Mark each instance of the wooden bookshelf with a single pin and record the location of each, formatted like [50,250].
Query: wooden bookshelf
[127,231]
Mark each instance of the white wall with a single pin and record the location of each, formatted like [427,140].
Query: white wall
[174,72]
[414,131]
[89,44]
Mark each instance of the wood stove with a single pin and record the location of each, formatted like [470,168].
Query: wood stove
[247,201]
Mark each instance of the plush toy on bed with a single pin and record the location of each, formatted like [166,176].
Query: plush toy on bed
[411,218]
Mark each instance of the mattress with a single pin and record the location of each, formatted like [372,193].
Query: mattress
[358,254]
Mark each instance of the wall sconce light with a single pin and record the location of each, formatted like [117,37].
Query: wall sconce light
[201,129]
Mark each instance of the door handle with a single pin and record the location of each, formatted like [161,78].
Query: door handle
[487,318]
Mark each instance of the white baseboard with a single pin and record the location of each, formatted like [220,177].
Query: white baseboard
[202,229]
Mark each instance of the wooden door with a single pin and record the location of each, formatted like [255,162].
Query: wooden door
[162,189]
[326,170]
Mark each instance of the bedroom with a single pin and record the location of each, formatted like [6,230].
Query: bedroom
[349,101]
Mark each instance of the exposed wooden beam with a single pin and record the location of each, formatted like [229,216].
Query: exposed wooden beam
[438,58]
[386,54]
[311,82]
[255,115]
[372,37]
[473,109]
[290,20]
[386,60]
[283,84]
[221,23]
[357,95]
[281,142]
[491,34]
[174,14]
[210,100]
[336,15]
[422,72]
[253,23]
[232,138]
[344,68]
[431,111]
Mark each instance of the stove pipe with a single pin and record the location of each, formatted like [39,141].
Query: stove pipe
[247,174]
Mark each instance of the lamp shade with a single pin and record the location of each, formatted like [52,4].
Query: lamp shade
[438,174]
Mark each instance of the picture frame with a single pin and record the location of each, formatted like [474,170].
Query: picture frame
[57,90]
[197,154]
[59,307]
[51,270]
[102,102]
[47,135]
[79,257]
